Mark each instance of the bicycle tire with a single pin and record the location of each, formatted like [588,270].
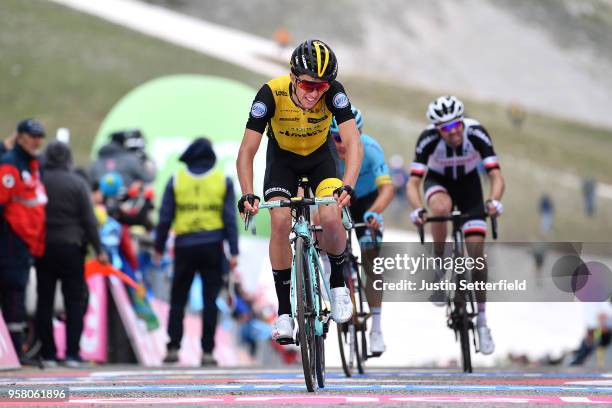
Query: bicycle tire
[320,361]
[346,347]
[463,325]
[361,347]
[304,307]
[319,340]
[464,339]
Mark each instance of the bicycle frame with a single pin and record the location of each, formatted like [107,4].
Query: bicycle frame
[304,229]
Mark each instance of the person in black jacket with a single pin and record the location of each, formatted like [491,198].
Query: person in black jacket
[71,225]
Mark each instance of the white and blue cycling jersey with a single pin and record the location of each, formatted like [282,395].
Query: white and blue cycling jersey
[374,171]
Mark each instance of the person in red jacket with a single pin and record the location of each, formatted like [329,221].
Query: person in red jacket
[22,223]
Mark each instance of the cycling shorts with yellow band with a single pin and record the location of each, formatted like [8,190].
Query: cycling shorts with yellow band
[293,129]
[283,169]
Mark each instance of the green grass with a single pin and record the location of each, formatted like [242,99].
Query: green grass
[69,69]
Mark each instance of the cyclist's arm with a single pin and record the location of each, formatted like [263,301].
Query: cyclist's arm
[244,162]
[354,151]
[497,184]
[425,146]
[483,143]
[386,193]
[413,192]
[262,110]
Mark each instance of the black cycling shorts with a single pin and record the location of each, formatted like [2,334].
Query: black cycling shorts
[283,169]
[466,194]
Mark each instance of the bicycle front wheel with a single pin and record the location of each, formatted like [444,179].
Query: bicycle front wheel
[305,314]
[464,339]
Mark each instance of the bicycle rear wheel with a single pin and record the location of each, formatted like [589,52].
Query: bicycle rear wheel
[346,341]
[306,333]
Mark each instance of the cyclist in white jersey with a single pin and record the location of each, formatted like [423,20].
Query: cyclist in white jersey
[448,154]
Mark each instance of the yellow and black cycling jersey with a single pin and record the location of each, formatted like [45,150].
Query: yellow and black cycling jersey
[292,128]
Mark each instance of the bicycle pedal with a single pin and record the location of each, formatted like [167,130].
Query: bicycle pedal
[285,341]
[374,355]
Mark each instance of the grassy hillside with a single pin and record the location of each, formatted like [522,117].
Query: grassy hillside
[68,69]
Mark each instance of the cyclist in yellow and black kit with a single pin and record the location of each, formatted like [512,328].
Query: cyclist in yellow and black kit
[297,110]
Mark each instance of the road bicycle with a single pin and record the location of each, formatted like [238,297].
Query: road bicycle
[352,335]
[460,304]
[307,281]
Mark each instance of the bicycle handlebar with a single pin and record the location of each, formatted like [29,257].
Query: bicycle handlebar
[298,202]
[293,203]
[456,217]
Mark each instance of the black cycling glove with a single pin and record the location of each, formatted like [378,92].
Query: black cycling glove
[349,190]
[247,197]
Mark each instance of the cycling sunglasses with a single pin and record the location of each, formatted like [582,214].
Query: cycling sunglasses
[310,86]
[450,126]
[337,137]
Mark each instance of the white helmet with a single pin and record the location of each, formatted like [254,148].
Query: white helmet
[444,109]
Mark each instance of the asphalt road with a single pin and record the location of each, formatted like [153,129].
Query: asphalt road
[132,385]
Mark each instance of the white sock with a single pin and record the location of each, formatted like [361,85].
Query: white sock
[326,266]
[481,319]
[375,318]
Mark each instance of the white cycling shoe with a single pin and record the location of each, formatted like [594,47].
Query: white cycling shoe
[487,345]
[342,307]
[283,328]
[377,343]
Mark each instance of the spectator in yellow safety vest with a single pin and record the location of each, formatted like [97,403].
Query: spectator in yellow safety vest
[198,203]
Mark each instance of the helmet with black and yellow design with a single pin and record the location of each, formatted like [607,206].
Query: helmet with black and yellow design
[314,58]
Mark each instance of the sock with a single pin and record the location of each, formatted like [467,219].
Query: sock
[326,265]
[336,280]
[375,318]
[481,319]
[282,283]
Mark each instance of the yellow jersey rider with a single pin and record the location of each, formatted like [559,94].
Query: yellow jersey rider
[297,110]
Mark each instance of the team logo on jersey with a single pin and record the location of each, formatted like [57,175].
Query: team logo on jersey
[340,100]
[8,181]
[317,120]
[258,110]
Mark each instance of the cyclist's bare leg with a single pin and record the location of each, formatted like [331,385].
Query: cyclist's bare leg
[281,256]
[333,241]
[440,204]
[333,238]
[374,296]
[280,248]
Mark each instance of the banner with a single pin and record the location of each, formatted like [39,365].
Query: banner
[8,357]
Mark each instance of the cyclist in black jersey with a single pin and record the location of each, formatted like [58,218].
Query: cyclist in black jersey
[297,110]
[448,154]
